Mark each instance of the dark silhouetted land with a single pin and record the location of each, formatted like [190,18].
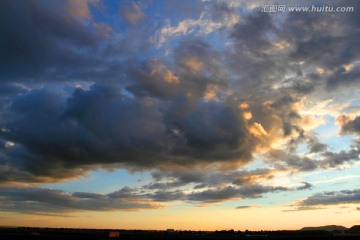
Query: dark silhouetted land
[11,233]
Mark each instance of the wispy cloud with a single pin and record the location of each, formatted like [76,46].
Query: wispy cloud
[217,16]
[246,207]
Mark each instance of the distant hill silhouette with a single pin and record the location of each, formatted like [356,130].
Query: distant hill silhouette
[325,228]
[355,229]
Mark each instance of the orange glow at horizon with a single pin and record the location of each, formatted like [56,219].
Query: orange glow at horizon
[191,218]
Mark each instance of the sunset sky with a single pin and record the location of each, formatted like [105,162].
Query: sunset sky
[192,115]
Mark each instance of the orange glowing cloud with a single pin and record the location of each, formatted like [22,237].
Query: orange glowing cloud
[166,75]
[210,93]
[247,115]
[310,122]
[194,64]
[281,44]
[80,8]
[257,130]
[343,119]
[244,106]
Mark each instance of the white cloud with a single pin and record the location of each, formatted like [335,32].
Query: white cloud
[202,26]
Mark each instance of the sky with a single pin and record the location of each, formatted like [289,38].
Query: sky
[191,115]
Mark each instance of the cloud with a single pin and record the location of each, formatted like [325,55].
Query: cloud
[78,95]
[303,208]
[211,187]
[336,159]
[184,27]
[166,196]
[343,76]
[42,39]
[209,179]
[317,147]
[282,160]
[34,200]
[103,126]
[215,195]
[331,198]
[305,186]
[190,91]
[348,125]
[232,193]
[132,13]
[80,8]
[308,46]
[245,207]
[217,16]
[246,37]
[37,200]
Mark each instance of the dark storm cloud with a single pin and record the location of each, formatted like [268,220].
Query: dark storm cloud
[214,127]
[54,41]
[283,108]
[196,67]
[38,38]
[197,50]
[260,61]
[326,49]
[251,34]
[169,111]
[294,46]
[8,88]
[343,77]
[49,129]
[311,32]
[250,56]
[34,200]
[55,130]
[304,87]
[351,126]
[331,198]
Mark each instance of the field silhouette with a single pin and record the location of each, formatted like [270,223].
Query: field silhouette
[10,233]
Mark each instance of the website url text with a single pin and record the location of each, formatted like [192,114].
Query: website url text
[276,8]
